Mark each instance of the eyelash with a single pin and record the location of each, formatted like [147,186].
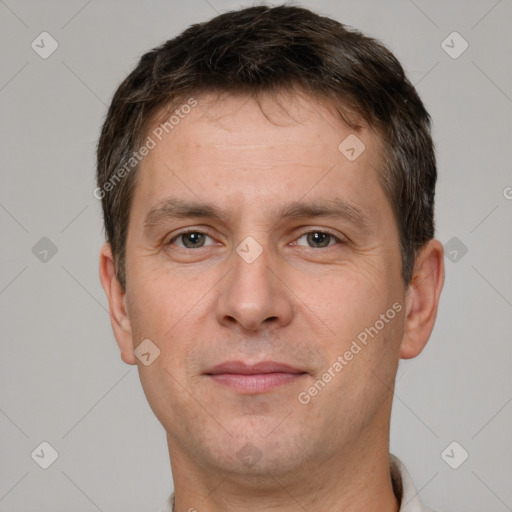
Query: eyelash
[183,233]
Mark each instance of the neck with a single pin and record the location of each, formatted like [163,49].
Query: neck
[354,481]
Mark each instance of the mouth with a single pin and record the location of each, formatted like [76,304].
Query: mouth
[257,378]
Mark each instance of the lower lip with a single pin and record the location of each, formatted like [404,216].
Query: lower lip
[257,383]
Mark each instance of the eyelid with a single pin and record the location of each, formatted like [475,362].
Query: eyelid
[327,231]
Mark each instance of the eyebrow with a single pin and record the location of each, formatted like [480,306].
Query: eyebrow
[176,208]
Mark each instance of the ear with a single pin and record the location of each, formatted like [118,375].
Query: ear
[422,299]
[116,302]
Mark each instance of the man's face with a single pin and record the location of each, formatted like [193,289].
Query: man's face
[265,284]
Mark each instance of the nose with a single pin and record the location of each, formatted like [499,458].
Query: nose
[254,294]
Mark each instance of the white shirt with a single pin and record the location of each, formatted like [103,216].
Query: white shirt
[402,486]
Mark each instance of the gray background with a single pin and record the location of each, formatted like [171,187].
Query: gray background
[61,376]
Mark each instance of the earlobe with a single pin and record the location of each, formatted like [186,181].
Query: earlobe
[422,299]
[117,305]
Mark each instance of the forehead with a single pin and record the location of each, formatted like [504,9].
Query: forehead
[235,148]
[290,125]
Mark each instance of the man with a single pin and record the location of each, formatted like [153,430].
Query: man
[267,181]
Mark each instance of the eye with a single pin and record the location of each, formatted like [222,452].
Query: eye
[318,239]
[190,240]
[197,239]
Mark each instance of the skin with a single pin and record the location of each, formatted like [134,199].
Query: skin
[302,302]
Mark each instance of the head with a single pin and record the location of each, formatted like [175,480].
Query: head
[267,181]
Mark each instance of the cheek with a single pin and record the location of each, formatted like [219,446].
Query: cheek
[158,300]
[170,311]
[364,367]
[366,317]
[349,304]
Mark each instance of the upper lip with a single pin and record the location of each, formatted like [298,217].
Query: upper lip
[239,367]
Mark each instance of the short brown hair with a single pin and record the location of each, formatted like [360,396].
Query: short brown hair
[261,50]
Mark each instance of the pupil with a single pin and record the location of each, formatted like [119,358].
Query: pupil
[194,238]
[319,238]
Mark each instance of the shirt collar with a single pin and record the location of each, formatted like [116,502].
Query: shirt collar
[403,488]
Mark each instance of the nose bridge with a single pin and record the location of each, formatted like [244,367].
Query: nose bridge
[252,295]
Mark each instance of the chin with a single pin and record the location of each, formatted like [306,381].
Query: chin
[258,448]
